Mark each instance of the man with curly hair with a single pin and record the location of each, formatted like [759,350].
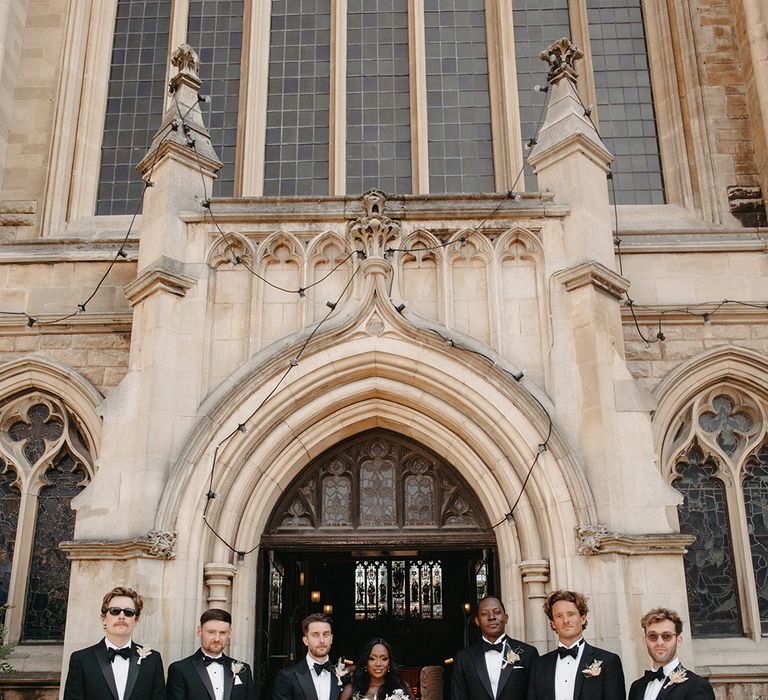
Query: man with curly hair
[575,670]
[116,668]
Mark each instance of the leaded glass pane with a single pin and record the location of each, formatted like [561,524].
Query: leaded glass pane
[419,496]
[337,497]
[537,25]
[378,97]
[481,580]
[625,100]
[458,102]
[48,587]
[276,592]
[727,425]
[134,100]
[710,574]
[35,431]
[215,31]
[377,490]
[10,502]
[298,101]
[755,487]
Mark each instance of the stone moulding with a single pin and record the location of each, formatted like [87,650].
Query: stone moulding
[157,544]
[596,274]
[158,280]
[595,539]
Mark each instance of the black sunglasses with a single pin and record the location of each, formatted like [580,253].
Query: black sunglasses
[128,612]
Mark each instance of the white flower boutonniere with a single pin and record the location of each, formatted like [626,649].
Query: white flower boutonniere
[340,670]
[143,653]
[510,658]
[594,669]
[679,675]
[237,667]
[398,694]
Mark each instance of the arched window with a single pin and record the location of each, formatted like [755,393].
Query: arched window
[720,466]
[47,462]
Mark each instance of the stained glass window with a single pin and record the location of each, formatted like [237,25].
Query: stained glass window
[710,575]
[48,587]
[755,486]
[407,588]
[276,591]
[378,97]
[481,580]
[727,425]
[215,31]
[10,502]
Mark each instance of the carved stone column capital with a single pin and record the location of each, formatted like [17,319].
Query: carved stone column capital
[373,232]
[218,578]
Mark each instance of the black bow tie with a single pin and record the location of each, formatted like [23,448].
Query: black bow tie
[650,676]
[327,666]
[125,652]
[573,652]
[487,646]
[208,660]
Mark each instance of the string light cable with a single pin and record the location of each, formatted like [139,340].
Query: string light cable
[242,427]
[236,259]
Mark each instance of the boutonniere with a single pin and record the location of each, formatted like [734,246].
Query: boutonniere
[340,670]
[398,694]
[510,657]
[594,669]
[237,667]
[143,653]
[679,675]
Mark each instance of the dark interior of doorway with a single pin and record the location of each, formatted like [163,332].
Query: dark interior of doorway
[330,575]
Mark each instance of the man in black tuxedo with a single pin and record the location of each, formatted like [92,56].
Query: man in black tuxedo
[116,668]
[575,670]
[209,674]
[313,677]
[497,667]
[668,680]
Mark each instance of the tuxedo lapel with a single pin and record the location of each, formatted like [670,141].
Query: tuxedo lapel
[302,675]
[506,669]
[229,678]
[668,687]
[106,667]
[587,657]
[133,672]
[548,669]
[335,687]
[478,657]
[197,662]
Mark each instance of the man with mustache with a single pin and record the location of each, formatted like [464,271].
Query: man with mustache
[116,668]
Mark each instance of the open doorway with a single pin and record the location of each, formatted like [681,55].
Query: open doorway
[419,600]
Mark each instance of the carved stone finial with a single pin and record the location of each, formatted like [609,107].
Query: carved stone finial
[561,56]
[185,59]
[372,232]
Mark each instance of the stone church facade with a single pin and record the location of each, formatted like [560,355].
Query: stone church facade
[378,295]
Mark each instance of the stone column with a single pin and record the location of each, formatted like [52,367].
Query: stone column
[218,579]
[535,574]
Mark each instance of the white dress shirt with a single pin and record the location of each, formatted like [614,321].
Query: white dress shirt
[119,669]
[323,681]
[565,672]
[216,674]
[493,661]
[653,688]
